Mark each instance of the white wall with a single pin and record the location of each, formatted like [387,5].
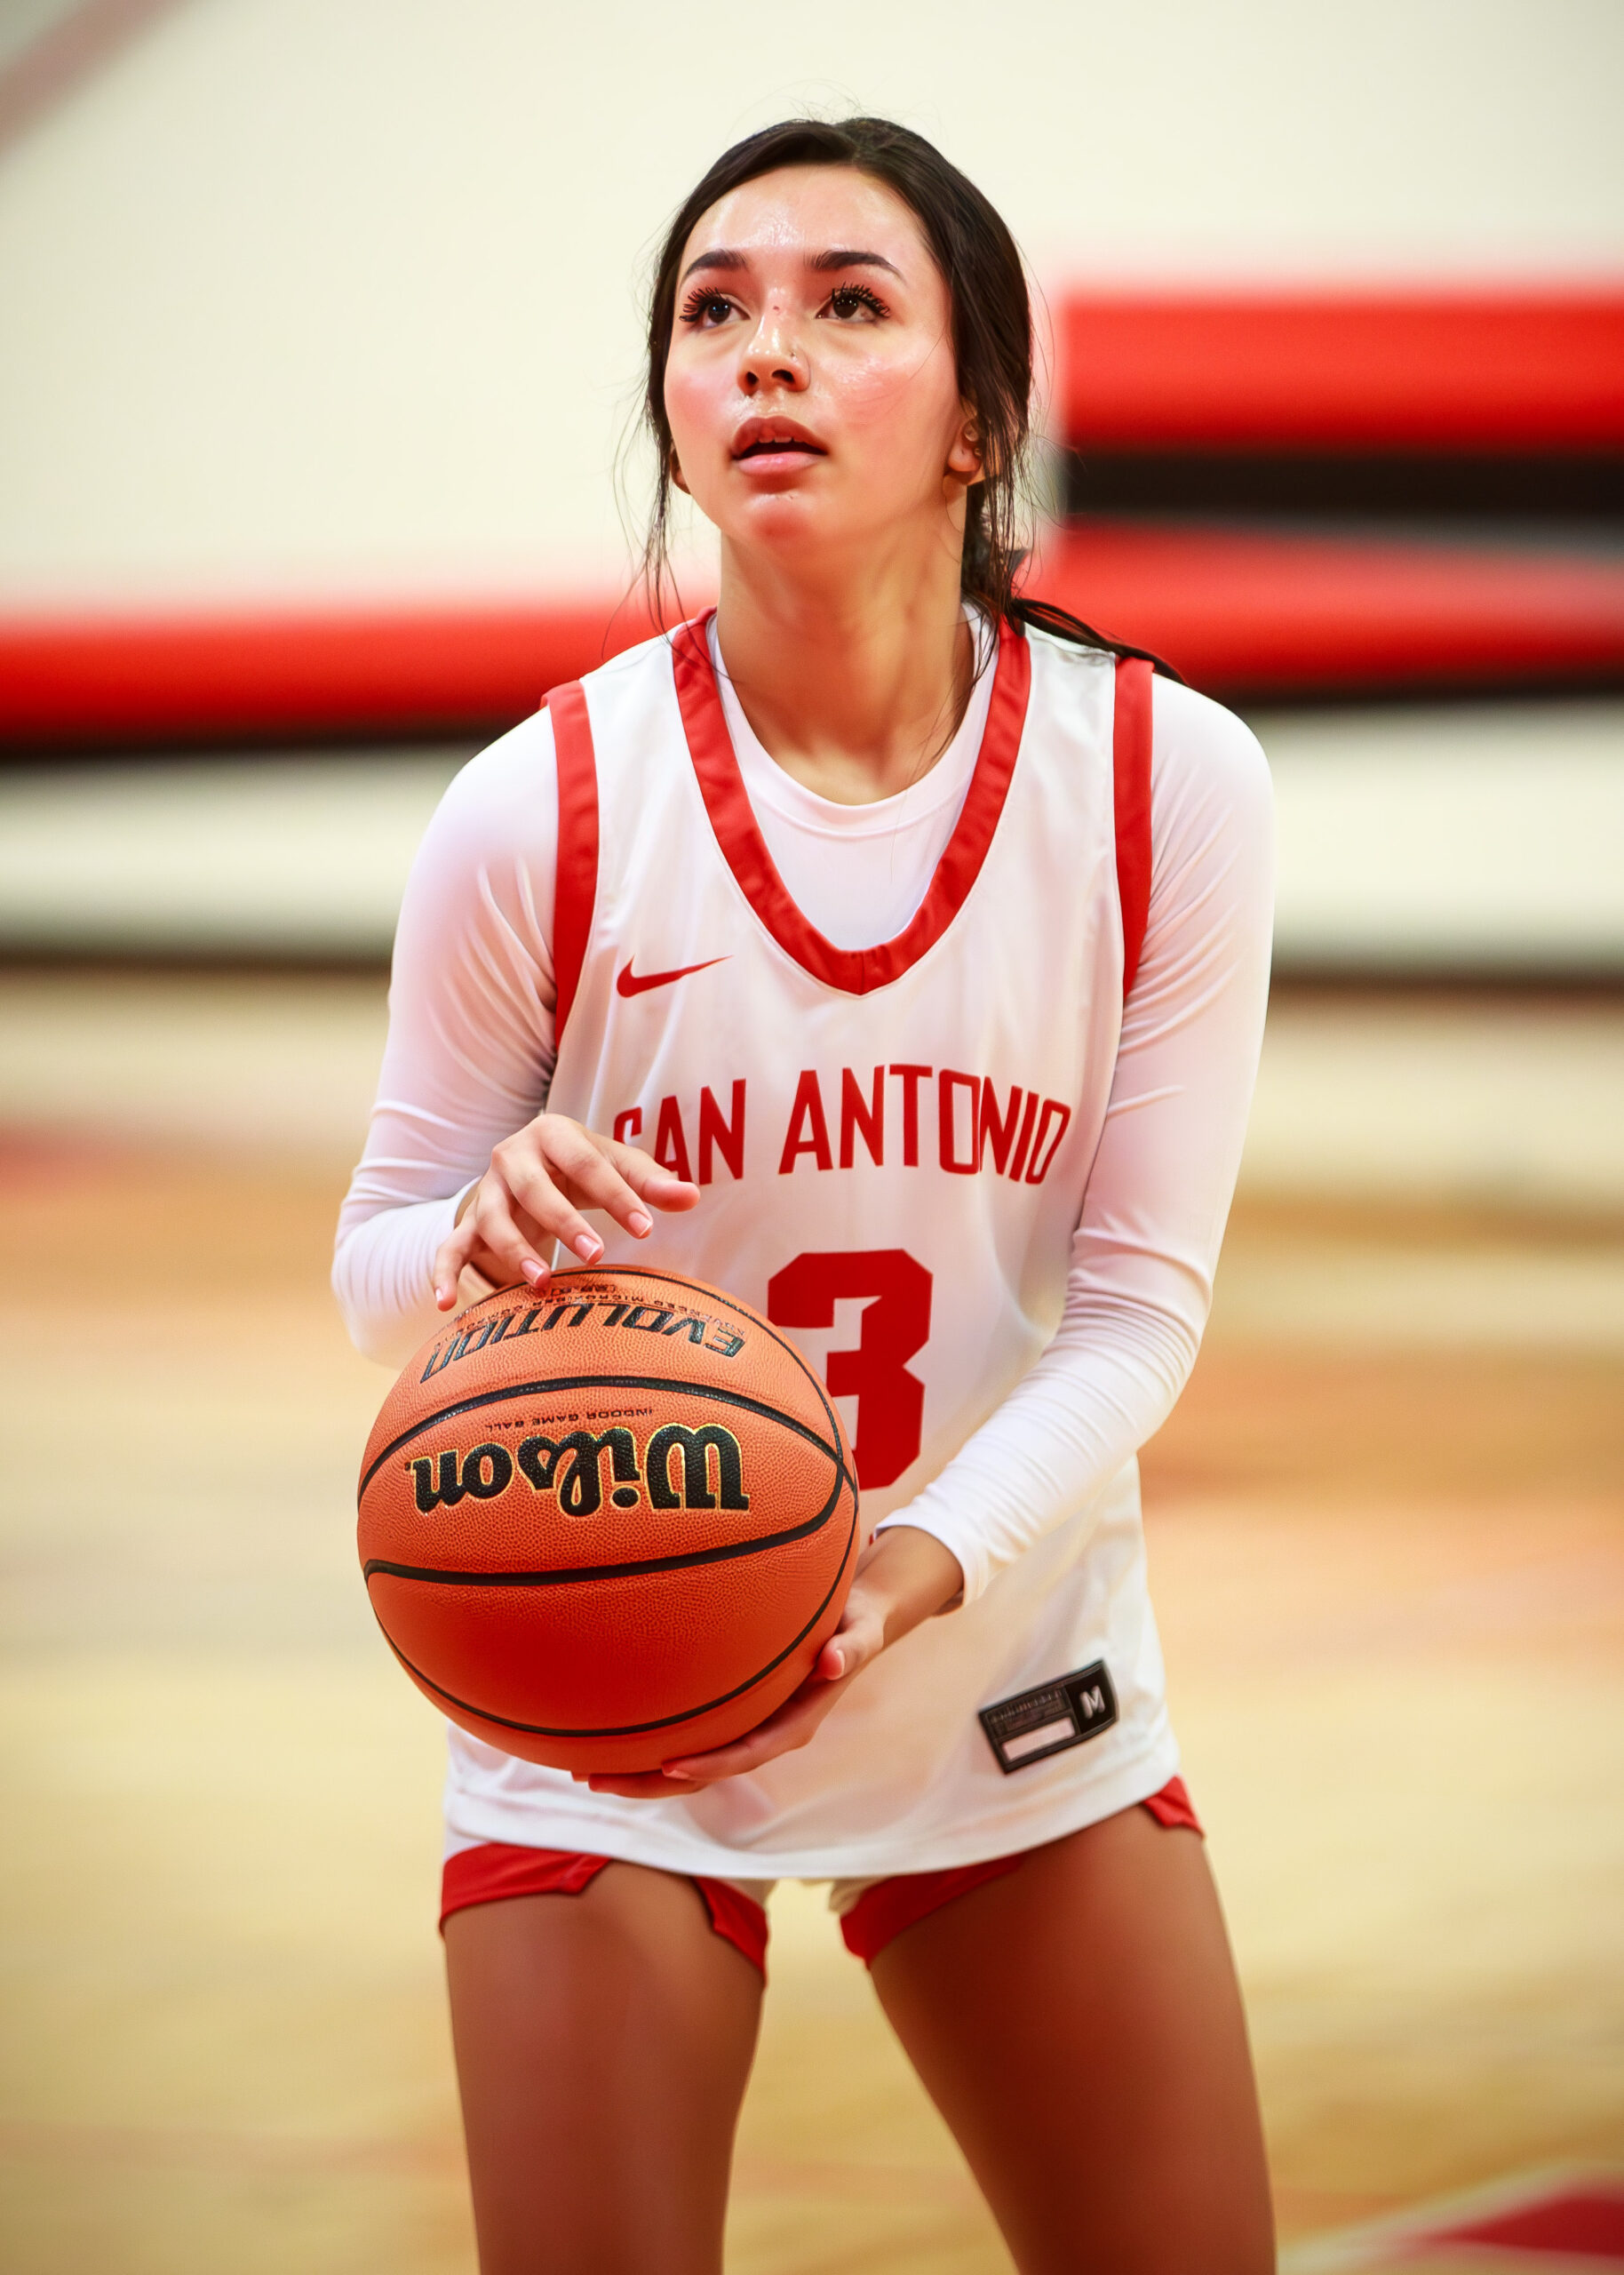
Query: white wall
[315,295]
[1477,838]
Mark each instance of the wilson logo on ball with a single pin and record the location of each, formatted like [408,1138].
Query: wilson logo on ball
[572,1468]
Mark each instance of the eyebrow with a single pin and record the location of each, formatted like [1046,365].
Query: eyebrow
[725,258]
[847,257]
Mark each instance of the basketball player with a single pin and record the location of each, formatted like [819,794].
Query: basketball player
[890,952]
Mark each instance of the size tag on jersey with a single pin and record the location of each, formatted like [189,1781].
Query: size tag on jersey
[1037,1723]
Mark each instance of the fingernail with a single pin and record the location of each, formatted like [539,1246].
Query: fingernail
[589,1248]
[533,1272]
[441,1294]
[640,1223]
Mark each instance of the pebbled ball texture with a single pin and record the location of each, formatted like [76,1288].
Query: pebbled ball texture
[610,1524]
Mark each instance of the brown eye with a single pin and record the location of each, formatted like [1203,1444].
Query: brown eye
[707,308]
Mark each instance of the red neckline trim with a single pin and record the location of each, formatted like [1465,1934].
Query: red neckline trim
[855,971]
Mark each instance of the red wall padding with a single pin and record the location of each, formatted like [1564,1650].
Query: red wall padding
[1237,611]
[1515,372]
[1270,613]
[284,674]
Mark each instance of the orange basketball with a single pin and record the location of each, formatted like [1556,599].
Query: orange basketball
[608,1524]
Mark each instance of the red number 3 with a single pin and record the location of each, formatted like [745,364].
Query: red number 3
[895,1324]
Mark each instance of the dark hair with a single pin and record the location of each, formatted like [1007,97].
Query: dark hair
[992,338]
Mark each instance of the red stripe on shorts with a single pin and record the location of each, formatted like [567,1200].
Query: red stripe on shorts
[882,1912]
[496,1869]
[1173,1806]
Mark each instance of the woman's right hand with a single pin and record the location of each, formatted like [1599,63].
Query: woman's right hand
[532,1194]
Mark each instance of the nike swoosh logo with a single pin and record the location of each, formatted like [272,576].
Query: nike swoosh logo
[630,984]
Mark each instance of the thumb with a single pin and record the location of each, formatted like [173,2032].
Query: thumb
[849,1648]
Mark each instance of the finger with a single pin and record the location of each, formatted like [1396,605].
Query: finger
[449,1258]
[499,1271]
[859,1638]
[484,1273]
[659,1186]
[791,1727]
[576,1163]
[647,1785]
[785,1734]
[516,1232]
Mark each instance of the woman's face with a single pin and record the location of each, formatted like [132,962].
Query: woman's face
[810,385]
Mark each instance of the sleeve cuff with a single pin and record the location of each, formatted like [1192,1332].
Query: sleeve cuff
[956,1536]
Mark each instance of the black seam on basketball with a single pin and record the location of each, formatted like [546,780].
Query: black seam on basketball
[675,1279]
[565,1575]
[674,1384]
[628,1729]
[740,1311]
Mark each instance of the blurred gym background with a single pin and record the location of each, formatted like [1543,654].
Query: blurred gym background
[319,332]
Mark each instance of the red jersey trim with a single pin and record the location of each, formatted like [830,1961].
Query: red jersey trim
[577,887]
[855,971]
[1130,759]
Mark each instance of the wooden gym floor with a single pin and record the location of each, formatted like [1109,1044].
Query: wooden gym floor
[1387,1533]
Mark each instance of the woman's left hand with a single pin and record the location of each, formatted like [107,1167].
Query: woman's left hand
[903,1576]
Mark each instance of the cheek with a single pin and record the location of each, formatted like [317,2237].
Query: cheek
[697,402]
[891,401]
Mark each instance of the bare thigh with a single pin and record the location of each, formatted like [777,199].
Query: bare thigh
[1078,2025]
[603,2042]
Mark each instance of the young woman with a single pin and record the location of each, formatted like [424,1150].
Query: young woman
[894,956]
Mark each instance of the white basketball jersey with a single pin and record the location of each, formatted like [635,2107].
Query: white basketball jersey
[892,1147]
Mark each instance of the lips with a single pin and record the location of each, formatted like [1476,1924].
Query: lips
[759,438]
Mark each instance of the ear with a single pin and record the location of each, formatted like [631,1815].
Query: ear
[965,463]
[675,470]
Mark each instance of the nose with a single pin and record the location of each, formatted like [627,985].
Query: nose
[772,356]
